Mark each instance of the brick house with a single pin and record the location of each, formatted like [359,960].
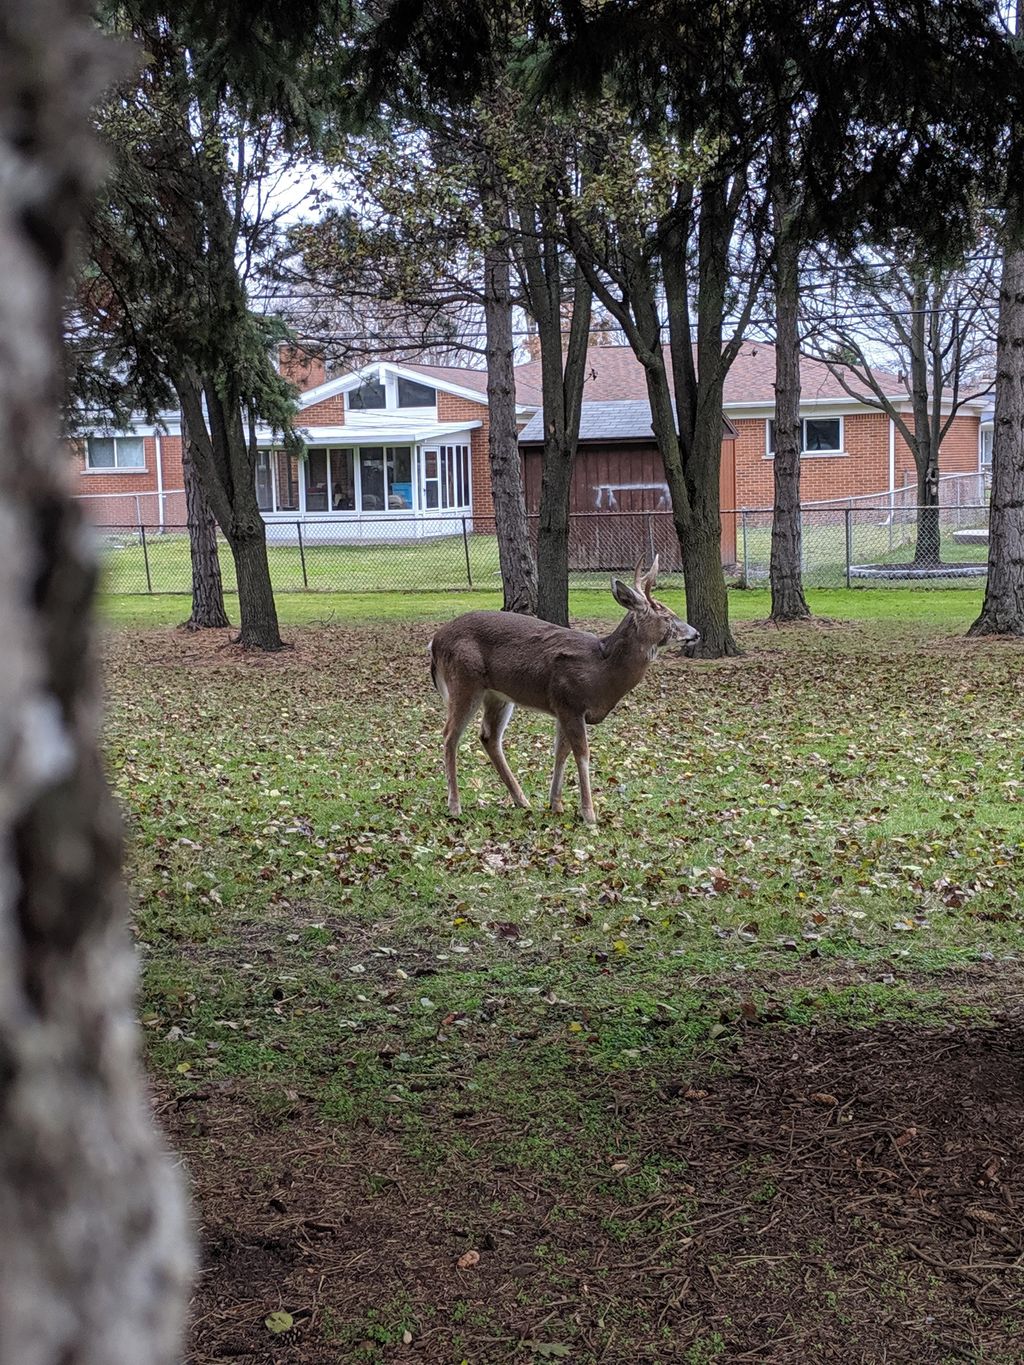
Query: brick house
[851,450]
[395,446]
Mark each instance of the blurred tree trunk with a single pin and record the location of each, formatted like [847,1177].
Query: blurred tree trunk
[94,1253]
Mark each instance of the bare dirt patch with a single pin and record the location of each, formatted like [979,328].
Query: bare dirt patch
[844,1197]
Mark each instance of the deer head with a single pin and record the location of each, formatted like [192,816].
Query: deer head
[655,622]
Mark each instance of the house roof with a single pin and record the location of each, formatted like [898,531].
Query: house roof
[615,375]
[527,390]
[616,420]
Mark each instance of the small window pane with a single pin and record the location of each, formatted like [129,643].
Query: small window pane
[986,447]
[130,452]
[371,470]
[414,395]
[287,468]
[316,481]
[368,395]
[771,437]
[343,481]
[264,482]
[822,433]
[101,452]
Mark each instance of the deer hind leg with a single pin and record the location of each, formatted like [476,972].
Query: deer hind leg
[575,730]
[497,714]
[462,706]
[562,750]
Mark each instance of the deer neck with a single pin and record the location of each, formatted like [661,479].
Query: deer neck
[626,657]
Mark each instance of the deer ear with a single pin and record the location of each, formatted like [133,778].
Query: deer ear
[628,597]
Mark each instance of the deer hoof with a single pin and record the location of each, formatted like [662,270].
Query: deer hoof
[589,818]
[558,807]
[454,810]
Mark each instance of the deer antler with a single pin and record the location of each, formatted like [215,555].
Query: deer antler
[644,582]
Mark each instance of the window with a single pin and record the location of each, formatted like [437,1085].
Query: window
[264,482]
[414,395]
[818,436]
[287,471]
[399,463]
[115,452]
[986,450]
[369,395]
[343,481]
[446,477]
[371,473]
[316,481]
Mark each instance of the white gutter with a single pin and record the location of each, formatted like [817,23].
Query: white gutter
[160,480]
[892,469]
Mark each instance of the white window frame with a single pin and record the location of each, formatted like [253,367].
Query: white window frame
[115,468]
[806,454]
[985,438]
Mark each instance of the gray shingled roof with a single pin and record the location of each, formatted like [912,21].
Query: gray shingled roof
[626,420]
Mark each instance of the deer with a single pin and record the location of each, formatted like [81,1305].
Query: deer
[501,660]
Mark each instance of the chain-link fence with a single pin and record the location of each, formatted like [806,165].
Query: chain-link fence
[852,546]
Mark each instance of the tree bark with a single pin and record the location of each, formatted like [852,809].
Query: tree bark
[925,445]
[94,1255]
[785,572]
[207,587]
[225,464]
[563,370]
[515,555]
[1002,612]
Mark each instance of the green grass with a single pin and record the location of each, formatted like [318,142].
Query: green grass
[951,609]
[824,834]
[851,789]
[163,564]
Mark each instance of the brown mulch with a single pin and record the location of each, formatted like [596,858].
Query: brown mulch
[833,1197]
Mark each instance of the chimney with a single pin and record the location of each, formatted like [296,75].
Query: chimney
[301,366]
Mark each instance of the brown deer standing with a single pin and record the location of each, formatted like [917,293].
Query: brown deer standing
[504,660]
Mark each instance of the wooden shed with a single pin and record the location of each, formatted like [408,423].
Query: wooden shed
[619,499]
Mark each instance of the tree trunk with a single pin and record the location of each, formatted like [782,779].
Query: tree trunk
[257,610]
[563,371]
[927,551]
[553,531]
[223,462]
[1002,612]
[515,555]
[93,1257]
[707,598]
[788,601]
[207,588]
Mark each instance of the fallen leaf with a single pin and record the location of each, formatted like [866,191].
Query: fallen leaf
[468,1259]
[822,1097]
[279,1322]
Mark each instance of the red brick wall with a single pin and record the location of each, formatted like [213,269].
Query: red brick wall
[329,412]
[117,503]
[451,408]
[863,469]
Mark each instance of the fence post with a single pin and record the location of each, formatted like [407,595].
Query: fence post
[650,540]
[743,533]
[145,558]
[849,543]
[465,546]
[302,555]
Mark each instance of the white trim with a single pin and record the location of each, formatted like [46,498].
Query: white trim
[892,457]
[845,407]
[839,452]
[160,479]
[383,370]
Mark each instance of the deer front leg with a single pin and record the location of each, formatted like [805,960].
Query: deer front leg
[497,714]
[461,707]
[576,732]
[562,749]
